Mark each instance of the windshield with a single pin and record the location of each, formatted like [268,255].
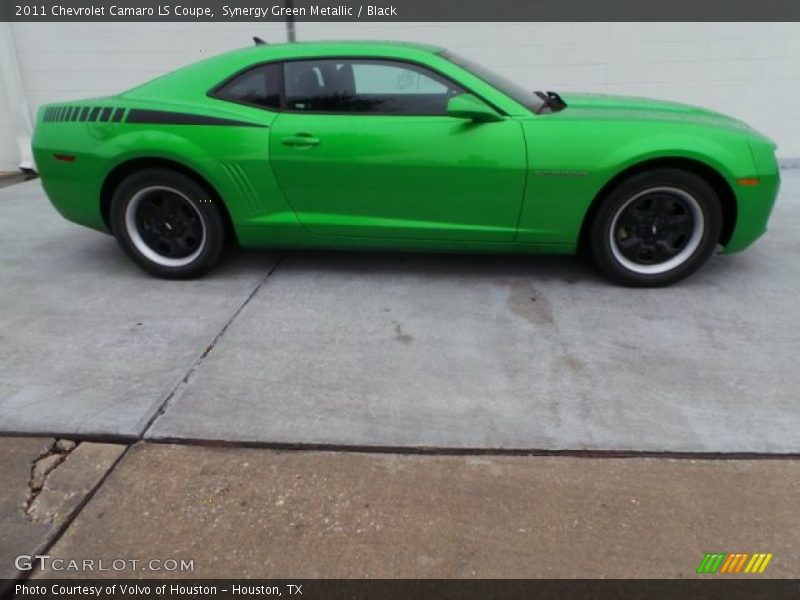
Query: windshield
[528,99]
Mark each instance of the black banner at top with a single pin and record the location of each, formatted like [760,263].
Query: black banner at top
[399,10]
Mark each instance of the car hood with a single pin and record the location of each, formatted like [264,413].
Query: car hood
[581,105]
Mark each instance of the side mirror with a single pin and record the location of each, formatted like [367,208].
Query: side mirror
[467,106]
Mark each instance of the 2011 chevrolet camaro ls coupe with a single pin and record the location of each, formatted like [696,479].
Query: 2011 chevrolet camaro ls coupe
[379,145]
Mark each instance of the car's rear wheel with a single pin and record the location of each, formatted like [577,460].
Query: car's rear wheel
[656,228]
[167,223]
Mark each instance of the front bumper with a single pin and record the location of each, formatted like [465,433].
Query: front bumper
[754,204]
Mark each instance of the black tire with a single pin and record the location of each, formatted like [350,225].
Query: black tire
[167,223]
[656,228]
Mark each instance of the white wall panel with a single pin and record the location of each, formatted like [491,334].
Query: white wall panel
[748,70]
[9,157]
[14,120]
[70,61]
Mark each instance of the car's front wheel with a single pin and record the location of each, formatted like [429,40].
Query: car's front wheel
[656,228]
[167,223]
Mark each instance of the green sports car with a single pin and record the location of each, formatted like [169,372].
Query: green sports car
[401,146]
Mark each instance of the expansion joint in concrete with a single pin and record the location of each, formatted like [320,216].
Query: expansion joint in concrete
[184,381]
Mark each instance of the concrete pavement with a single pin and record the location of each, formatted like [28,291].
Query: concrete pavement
[43,482]
[509,352]
[18,533]
[89,344]
[260,513]
[397,350]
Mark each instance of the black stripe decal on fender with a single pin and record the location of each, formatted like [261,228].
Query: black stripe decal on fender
[162,117]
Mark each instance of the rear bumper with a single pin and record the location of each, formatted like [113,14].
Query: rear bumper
[73,188]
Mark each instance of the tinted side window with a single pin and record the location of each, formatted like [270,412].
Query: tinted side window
[392,79]
[365,87]
[260,86]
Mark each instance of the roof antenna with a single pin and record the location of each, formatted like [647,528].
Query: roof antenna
[259,41]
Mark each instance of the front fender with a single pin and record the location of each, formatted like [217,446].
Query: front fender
[730,158]
[569,165]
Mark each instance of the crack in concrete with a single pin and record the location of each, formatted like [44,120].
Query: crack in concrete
[41,468]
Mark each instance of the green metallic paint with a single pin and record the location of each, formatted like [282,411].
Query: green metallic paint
[523,183]
[467,106]
[402,176]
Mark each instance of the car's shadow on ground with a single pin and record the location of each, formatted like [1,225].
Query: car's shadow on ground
[566,269]
[104,255]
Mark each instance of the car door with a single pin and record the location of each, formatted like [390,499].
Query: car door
[364,148]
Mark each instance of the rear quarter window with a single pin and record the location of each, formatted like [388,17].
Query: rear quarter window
[260,87]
